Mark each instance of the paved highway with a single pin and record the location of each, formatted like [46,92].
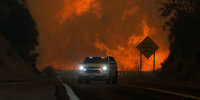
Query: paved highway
[98,90]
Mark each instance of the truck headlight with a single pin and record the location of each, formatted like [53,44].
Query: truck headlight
[81,68]
[105,68]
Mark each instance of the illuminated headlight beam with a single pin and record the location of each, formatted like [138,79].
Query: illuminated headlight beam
[105,68]
[81,68]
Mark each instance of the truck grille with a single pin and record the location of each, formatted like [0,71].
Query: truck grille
[93,67]
[92,71]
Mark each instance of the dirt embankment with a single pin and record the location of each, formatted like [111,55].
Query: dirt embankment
[12,67]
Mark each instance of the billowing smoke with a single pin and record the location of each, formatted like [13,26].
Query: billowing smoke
[72,29]
[77,8]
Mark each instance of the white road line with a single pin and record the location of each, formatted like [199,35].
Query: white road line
[70,92]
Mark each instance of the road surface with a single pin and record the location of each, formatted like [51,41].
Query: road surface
[98,90]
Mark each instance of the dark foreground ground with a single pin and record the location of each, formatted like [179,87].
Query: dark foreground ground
[128,89]
[51,89]
[29,90]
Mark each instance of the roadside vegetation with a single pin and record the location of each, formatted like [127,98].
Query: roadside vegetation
[49,72]
[182,20]
[18,39]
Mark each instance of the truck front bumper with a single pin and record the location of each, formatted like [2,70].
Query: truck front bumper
[95,76]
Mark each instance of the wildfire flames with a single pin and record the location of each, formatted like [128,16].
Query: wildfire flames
[72,29]
[128,57]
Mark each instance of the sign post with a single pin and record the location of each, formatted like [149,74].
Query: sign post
[154,61]
[140,62]
[147,47]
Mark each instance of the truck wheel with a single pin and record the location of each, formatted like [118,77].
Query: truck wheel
[108,81]
[80,81]
[87,81]
[114,81]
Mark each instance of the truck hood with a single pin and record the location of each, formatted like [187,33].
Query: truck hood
[94,65]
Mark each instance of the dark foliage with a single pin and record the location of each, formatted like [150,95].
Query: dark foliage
[18,27]
[49,72]
[184,26]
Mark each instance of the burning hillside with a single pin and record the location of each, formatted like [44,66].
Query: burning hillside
[128,56]
[72,29]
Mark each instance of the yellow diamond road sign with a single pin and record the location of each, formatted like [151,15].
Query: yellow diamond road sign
[147,47]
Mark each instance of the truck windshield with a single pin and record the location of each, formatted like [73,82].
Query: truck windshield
[89,60]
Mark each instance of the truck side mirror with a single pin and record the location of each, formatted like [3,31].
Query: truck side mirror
[112,62]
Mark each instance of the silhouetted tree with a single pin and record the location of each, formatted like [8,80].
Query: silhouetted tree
[18,26]
[183,20]
[49,72]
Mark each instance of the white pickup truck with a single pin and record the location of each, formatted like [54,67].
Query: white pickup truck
[98,68]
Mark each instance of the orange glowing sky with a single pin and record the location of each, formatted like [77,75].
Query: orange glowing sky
[69,30]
